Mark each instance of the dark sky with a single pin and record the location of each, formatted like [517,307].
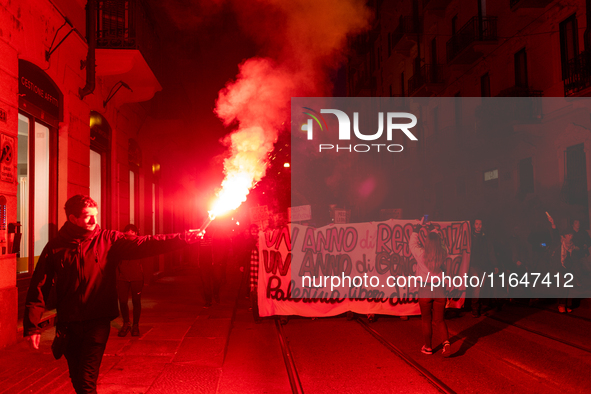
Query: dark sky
[302,44]
[202,48]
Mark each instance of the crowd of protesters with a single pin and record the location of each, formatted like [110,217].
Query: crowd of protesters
[88,303]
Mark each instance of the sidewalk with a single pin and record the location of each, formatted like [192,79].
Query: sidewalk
[181,348]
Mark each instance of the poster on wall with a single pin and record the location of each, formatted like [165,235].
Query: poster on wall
[7,158]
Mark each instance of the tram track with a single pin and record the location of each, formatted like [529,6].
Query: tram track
[292,371]
[432,379]
[540,333]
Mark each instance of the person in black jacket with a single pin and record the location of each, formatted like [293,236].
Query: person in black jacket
[82,262]
[130,278]
[482,260]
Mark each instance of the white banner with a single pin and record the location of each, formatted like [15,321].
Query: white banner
[375,256]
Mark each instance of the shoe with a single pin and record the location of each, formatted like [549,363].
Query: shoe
[403,317]
[426,350]
[561,309]
[568,310]
[124,330]
[207,304]
[475,314]
[446,349]
[371,317]
[350,315]
[135,331]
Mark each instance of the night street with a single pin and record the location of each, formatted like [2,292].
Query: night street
[185,348]
[295,196]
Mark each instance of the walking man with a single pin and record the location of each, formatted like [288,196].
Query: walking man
[82,262]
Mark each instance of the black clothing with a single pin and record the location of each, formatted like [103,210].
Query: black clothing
[87,341]
[581,240]
[482,260]
[83,265]
[123,289]
[482,254]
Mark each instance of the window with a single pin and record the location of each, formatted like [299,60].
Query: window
[36,177]
[458,112]
[454,27]
[96,181]
[521,69]
[576,175]
[402,85]
[154,205]
[100,140]
[133,194]
[389,44]
[526,176]
[434,51]
[485,85]
[569,46]
[135,160]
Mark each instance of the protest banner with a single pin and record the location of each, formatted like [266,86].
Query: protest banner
[299,265]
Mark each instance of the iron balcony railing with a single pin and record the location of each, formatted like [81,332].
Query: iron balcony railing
[116,24]
[484,29]
[125,24]
[577,75]
[428,74]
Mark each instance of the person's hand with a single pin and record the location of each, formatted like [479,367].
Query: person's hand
[193,236]
[34,340]
[550,220]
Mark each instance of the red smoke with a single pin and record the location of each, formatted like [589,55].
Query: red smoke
[303,40]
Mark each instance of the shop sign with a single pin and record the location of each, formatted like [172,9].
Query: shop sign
[37,89]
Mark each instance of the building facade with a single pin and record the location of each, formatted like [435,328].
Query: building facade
[531,57]
[75,77]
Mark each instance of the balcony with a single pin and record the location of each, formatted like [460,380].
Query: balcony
[517,4]
[427,81]
[435,5]
[472,40]
[404,38]
[125,49]
[577,80]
